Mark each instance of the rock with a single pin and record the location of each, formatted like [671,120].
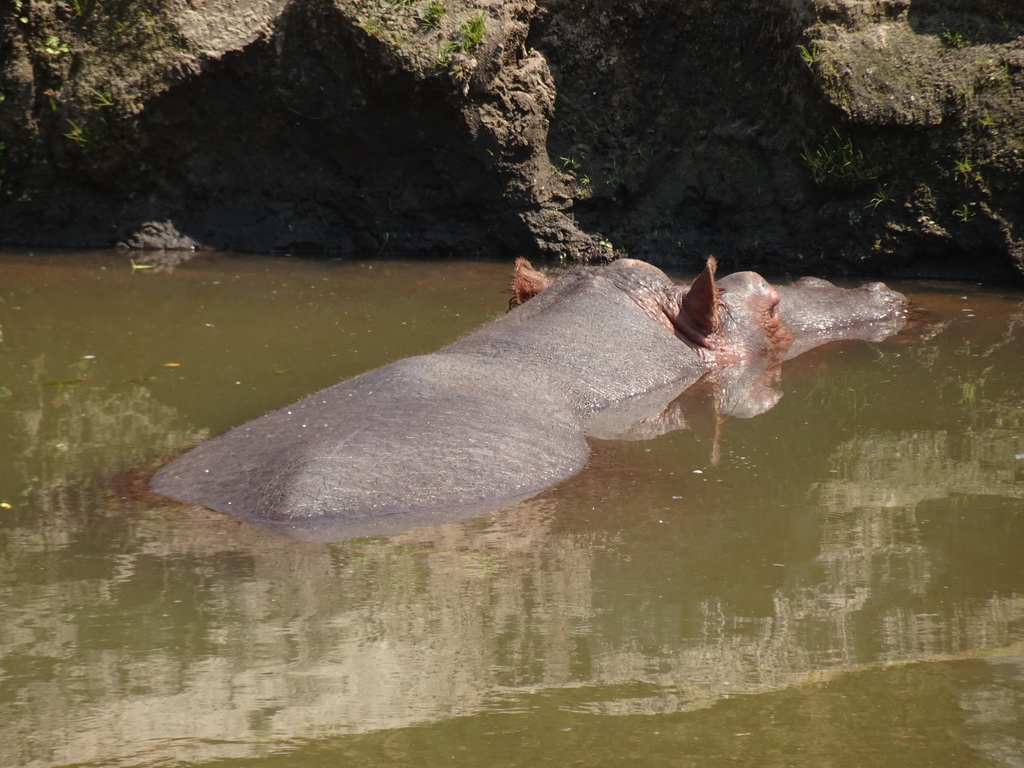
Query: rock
[160,235]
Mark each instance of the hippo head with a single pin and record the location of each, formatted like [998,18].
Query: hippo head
[729,320]
[732,319]
[742,317]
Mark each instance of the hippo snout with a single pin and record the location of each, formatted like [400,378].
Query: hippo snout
[887,297]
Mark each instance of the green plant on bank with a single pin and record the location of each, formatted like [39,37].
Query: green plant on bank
[640,152]
[76,133]
[955,39]
[964,166]
[81,7]
[808,54]
[471,33]
[882,195]
[374,26]
[446,49]
[963,213]
[100,100]
[54,46]
[569,162]
[614,177]
[430,17]
[837,160]
[386,239]
[996,71]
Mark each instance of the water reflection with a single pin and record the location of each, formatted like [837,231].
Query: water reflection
[856,523]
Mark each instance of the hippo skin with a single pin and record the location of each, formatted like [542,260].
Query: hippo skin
[505,412]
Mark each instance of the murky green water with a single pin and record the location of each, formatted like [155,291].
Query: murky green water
[839,581]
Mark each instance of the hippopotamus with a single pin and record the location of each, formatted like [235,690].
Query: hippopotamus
[505,412]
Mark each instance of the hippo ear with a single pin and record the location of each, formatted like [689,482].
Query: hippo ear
[700,304]
[527,282]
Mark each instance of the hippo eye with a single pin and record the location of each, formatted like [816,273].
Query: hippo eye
[773,310]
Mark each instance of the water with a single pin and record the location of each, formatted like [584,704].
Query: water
[838,581]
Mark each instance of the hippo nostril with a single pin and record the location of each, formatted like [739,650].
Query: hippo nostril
[877,287]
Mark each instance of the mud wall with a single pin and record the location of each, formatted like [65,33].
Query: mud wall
[826,136]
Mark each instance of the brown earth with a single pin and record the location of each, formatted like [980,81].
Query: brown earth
[803,136]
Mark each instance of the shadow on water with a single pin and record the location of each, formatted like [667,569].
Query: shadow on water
[749,589]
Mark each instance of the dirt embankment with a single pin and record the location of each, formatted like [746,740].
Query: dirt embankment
[825,136]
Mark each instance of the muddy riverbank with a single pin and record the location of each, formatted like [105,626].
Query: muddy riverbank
[810,136]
